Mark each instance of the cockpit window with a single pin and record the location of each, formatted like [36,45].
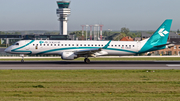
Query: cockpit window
[16,44]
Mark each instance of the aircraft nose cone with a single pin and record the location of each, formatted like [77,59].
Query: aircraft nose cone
[7,50]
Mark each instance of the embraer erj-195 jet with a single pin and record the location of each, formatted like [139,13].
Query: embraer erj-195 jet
[70,50]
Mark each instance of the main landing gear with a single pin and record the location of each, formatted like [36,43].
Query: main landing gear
[22,55]
[86,60]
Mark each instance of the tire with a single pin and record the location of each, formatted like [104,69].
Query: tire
[87,61]
[22,60]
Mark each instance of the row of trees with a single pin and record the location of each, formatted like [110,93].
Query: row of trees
[29,32]
[124,32]
[78,34]
[7,33]
[178,31]
[51,33]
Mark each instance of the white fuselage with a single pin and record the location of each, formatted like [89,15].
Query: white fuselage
[57,47]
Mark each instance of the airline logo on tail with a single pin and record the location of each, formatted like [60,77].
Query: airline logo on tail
[162,32]
[159,39]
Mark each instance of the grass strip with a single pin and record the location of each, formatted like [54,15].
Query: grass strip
[88,85]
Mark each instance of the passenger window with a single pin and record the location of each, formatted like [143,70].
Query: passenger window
[112,45]
[115,45]
[47,44]
[81,44]
[40,44]
[84,44]
[58,44]
[77,45]
[119,45]
[88,45]
[69,45]
[33,44]
[95,45]
[44,44]
[65,44]
[72,44]
[54,44]
[61,44]
[91,45]
[51,44]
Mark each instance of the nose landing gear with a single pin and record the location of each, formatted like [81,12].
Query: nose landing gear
[22,55]
[22,60]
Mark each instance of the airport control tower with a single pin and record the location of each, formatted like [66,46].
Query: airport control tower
[62,12]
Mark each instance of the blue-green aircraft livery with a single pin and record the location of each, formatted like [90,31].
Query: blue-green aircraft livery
[70,50]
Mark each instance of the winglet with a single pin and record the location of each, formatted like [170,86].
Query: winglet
[106,46]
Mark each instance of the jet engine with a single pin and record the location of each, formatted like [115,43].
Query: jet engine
[68,56]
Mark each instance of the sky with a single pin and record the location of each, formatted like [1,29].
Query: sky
[113,14]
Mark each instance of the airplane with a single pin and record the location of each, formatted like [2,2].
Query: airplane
[70,50]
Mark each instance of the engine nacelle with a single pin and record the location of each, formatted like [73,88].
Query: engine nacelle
[68,56]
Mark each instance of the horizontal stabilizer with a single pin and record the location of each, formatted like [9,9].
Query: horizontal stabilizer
[168,45]
[161,45]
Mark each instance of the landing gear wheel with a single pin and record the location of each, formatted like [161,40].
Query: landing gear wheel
[22,55]
[86,60]
[22,60]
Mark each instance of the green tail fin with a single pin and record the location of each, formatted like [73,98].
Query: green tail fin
[159,38]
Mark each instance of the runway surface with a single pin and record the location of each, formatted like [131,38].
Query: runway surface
[100,65]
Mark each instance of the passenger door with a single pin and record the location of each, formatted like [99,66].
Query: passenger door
[138,46]
[27,47]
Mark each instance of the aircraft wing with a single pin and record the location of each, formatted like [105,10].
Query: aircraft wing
[88,51]
[91,51]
